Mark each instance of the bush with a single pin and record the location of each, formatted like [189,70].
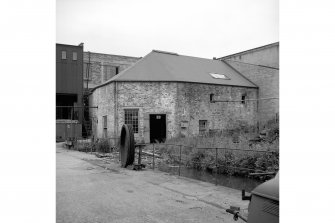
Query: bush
[230,162]
[84,147]
[195,160]
[102,146]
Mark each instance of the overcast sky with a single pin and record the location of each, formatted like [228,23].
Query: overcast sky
[208,28]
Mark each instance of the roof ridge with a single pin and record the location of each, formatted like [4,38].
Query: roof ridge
[165,52]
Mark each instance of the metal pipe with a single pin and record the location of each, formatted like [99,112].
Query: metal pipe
[88,69]
[76,106]
[216,165]
[259,99]
[179,158]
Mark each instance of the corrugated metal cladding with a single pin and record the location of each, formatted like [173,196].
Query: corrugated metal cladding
[69,73]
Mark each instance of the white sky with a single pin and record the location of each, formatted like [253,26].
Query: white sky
[208,28]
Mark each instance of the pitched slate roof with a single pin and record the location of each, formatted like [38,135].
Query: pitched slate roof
[171,67]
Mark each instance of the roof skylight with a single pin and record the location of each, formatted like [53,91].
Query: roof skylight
[219,76]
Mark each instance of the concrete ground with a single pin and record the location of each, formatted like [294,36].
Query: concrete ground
[90,190]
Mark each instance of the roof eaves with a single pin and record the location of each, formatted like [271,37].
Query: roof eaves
[192,82]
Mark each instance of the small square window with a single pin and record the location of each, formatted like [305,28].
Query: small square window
[211,97]
[74,56]
[63,55]
[243,99]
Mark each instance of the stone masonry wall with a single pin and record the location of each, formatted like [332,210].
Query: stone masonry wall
[147,97]
[183,103]
[103,98]
[267,80]
[99,61]
[194,105]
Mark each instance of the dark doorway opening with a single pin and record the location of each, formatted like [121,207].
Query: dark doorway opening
[157,128]
[65,100]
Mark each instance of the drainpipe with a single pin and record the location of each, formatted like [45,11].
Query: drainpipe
[116,118]
[88,69]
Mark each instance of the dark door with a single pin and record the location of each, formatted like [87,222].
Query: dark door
[157,128]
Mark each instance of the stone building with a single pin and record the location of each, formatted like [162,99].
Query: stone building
[166,95]
[261,66]
[103,67]
[97,69]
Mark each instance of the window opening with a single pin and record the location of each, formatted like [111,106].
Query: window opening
[202,126]
[211,97]
[74,56]
[243,99]
[63,55]
[105,121]
[131,118]
[109,72]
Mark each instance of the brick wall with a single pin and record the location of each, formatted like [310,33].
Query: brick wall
[181,102]
[266,56]
[98,66]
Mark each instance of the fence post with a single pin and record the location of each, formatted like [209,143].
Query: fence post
[92,143]
[216,166]
[109,145]
[179,158]
[139,155]
[153,156]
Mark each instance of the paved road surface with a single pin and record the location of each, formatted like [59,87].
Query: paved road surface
[89,190]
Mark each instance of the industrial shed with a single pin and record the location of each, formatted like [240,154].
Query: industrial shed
[167,95]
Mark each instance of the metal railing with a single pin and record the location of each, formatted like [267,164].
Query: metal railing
[179,150]
[214,163]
